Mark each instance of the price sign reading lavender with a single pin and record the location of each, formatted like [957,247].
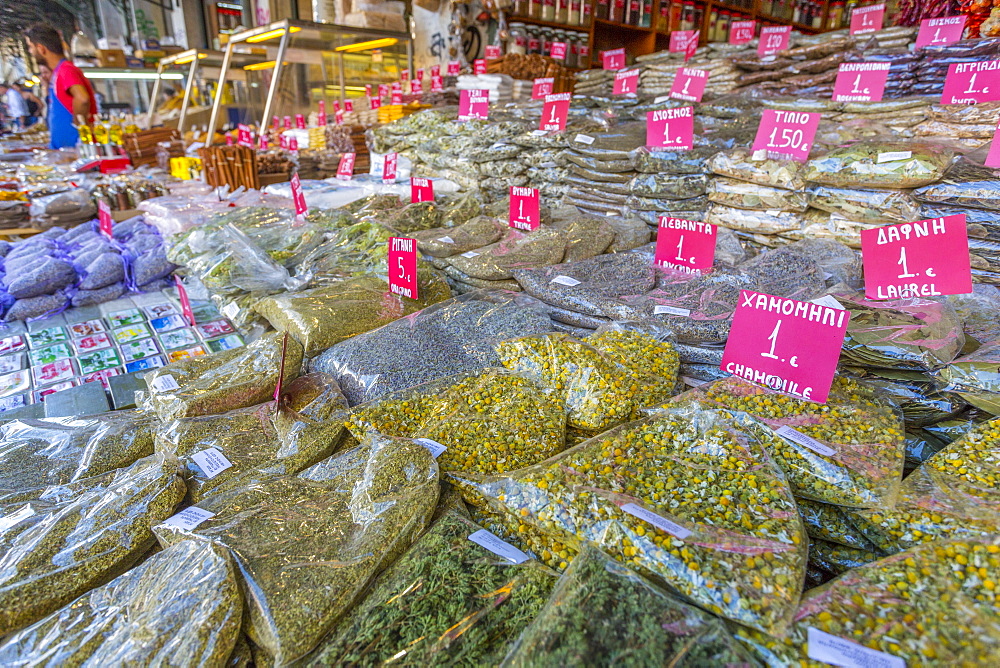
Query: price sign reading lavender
[542,87]
[685,245]
[928,258]
[524,209]
[867,19]
[938,32]
[345,169]
[785,135]
[613,59]
[773,39]
[670,129]
[554,112]
[626,82]
[970,83]
[860,82]
[741,32]
[689,84]
[298,197]
[785,344]
[104,220]
[473,104]
[403,267]
[421,190]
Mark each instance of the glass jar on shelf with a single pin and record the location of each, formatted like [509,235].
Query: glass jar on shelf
[535,9]
[713,25]
[548,10]
[534,38]
[562,12]
[687,16]
[725,20]
[617,11]
[603,10]
[517,40]
[572,50]
[575,13]
[646,17]
[583,54]
[833,18]
[546,41]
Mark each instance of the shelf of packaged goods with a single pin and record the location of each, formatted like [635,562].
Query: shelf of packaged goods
[547,24]
[626,26]
[748,11]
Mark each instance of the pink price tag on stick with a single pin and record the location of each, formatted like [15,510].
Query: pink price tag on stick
[321,114]
[685,245]
[785,135]
[435,70]
[493,52]
[860,82]
[928,258]
[542,87]
[345,168]
[348,106]
[375,103]
[229,140]
[785,344]
[524,209]
[298,197]
[473,104]
[300,121]
[970,83]
[402,256]
[397,97]
[554,112]
[681,39]
[626,82]
[182,295]
[938,32]
[288,122]
[671,129]
[243,135]
[689,84]
[613,59]
[692,46]
[104,221]
[557,51]
[867,19]
[404,74]
[421,190]
[479,66]
[437,84]
[993,157]
[389,167]
[454,68]
[741,32]
[773,39]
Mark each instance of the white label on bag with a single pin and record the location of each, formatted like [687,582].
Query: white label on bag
[211,462]
[499,547]
[841,652]
[538,133]
[893,155]
[470,254]
[773,212]
[189,518]
[759,154]
[799,438]
[435,448]
[584,139]
[231,310]
[22,514]
[671,528]
[565,280]
[829,300]
[165,383]
[661,99]
[446,240]
[497,145]
[670,310]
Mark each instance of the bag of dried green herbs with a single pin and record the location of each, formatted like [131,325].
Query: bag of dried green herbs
[744,195]
[470,235]
[450,599]
[70,538]
[517,250]
[308,545]
[975,378]
[221,452]
[738,163]
[876,164]
[603,614]
[222,381]
[689,497]
[866,206]
[932,605]
[57,451]
[182,606]
[966,184]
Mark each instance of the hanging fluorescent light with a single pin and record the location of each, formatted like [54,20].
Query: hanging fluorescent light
[271,34]
[368,46]
[254,67]
[150,76]
[187,59]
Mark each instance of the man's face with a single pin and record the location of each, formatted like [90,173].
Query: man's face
[33,50]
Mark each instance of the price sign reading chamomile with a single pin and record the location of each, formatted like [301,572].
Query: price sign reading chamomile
[785,135]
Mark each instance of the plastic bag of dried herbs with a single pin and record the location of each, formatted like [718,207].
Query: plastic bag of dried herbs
[518,250]
[837,559]
[738,163]
[830,523]
[57,451]
[649,161]
[449,599]
[966,184]
[771,221]
[475,233]
[789,271]
[648,355]
[668,186]
[866,206]
[603,614]
[975,378]
[933,605]
[223,381]
[848,451]
[744,195]
[880,165]
[220,452]
[179,607]
[307,546]
[980,314]
[70,538]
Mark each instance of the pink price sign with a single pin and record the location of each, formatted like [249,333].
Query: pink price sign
[104,220]
[860,82]
[336,105]
[679,40]
[416,87]
[554,112]
[420,74]
[338,117]
[300,121]
[397,97]
[288,122]
[262,144]
[374,103]
[938,32]
[321,114]
[493,52]
[970,83]
[524,209]
[787,345]
[773,39]
[542,87]
[613,59]
[479,66]
[293,144]
[348,106]
[474,104]
[928,258]
[383,90]
[182,295]
[867,19]
[671,129]
[689,84]
[557,51]
[785,135]
[345,168]
[368,90]
[404,74]
[298,197]
[692,46]
[229,140]
[389,167]
[435,70]
[437,84]
[275,122]
[685,245]
[402,256]
[243,135]
[421,190]
[454,68]
[993,157]
[741,32]
[626,82]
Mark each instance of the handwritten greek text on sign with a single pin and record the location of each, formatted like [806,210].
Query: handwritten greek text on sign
[345,169]
[970,83]
[613,59]
[421,190]
[479,66]
[557,51]
[785,135]
[554,112]
[542,87]
[787,345]
[670,128]
[243,135]
[473,104]
[437,85]
[679,40]
[626,82]
[938,32]
[321,114]
[389,167]
[374,103]
[860,82]
[685,245]
[524,208]
[288,122]
[403,267]
[689,84]
[396,97]
[104,220]
[417,87]
[493,52]
[298,197]
[300,121]
[867,19]
[348,106]
[773,39]
[454,68]
[928,258]
[741,32]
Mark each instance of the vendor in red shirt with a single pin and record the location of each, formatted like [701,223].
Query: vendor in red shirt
[72,97]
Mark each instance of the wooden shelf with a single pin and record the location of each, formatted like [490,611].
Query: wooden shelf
[547,24]
[625,26]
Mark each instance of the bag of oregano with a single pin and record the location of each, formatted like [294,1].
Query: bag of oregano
[308,545]
[447,600]
[70,538]
[688,496]
[932,605]
[179,607]
[221,452]
[603,614]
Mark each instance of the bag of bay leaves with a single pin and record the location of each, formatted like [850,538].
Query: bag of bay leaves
[975,378]
[306,546]
[181,606]
[221,452]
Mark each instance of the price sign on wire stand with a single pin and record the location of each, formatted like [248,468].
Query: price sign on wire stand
[928,258]
[389,163]
[554,112]
[785,344]
[867,19]
[345,169]
[403,267]
[182,295]
[860,82]
[689,84]
[741,32]
[321,114]
[670,128]
[773,39]
[541,87]
[613,59]
[626,82]
[685,245]
[524,209]
[421,190]
[971,83]
[298,198]
[938,32]
[104,220]
[785,135]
